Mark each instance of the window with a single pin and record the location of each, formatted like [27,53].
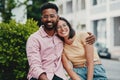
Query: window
[98,2]
[82,4]
[100,30]
[116,25]
[114,0]
[94,2]
[77,5]
[83,27]
[69,7]
[61,9]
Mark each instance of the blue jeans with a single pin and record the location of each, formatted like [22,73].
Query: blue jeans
[54,78]
[99,72]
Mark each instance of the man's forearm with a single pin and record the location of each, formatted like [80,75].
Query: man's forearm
[90,39]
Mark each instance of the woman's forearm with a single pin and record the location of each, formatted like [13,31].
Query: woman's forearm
[73,75]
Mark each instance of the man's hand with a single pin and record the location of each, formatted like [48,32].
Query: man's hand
[90,39]
[43,76]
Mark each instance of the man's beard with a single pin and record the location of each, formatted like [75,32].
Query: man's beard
[50,27]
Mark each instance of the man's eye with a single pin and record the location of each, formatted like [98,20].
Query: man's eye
[52,16]
[45,16]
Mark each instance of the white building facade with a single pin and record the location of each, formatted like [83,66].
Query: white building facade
[101,17]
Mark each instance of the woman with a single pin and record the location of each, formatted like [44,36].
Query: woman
[86,64]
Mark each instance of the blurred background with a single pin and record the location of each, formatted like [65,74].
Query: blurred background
[101,17]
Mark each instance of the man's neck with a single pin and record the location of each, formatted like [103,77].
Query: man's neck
[50,32]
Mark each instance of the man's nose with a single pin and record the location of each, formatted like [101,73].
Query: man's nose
[49,18]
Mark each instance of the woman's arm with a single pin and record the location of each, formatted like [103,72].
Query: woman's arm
[69,68]
[90,60]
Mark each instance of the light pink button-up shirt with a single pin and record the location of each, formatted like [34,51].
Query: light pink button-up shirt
[44,55]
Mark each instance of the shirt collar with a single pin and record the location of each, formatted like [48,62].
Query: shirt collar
[43,33]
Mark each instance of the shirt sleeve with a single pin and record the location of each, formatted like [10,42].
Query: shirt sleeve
[83,36]
[34,57]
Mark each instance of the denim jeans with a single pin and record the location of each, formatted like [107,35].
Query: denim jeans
[33,79]
[99,72]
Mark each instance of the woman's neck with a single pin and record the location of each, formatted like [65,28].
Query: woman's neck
[69,41]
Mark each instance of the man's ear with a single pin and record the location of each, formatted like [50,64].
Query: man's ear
[41,20]
[58,18]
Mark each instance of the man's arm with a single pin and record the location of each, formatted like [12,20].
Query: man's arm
[34,58]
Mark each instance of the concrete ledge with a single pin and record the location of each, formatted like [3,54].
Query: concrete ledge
[115,57]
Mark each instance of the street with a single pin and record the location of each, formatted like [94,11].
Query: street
[112,68]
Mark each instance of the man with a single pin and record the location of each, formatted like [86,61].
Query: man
[44,48]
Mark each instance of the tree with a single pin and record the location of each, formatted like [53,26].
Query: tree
[7,6]
[1,5]
[13,59]
[33,10]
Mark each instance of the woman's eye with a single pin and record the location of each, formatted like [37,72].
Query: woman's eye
[64,25]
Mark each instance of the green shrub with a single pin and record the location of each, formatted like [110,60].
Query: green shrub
[13,60]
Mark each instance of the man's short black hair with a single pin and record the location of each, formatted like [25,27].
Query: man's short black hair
[47,6]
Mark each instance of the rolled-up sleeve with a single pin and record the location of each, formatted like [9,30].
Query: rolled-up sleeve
[34,57]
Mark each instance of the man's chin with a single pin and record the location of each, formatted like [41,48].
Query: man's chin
[50,27]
